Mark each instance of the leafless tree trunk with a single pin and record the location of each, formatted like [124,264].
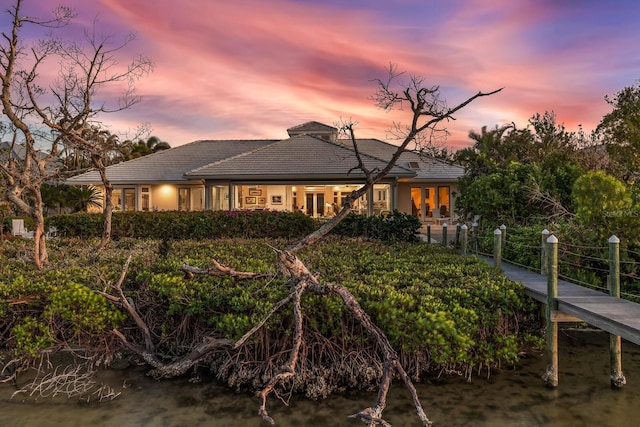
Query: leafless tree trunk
[107,211]
[428,111]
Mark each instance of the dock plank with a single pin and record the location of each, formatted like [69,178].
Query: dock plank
[599,309]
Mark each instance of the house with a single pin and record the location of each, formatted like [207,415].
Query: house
[311,171]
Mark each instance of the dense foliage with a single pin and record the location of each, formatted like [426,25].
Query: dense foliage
[620,130]
[444,312]
[187,225]
[521,175]
[394,227]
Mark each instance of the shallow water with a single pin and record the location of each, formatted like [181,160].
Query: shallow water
[513,397]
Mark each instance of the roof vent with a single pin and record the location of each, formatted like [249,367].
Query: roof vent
[414,165]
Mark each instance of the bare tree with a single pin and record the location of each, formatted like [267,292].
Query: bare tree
[24,174]
[67,110]
[428,113]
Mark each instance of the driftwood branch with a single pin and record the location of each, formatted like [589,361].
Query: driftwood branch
[148,341]
[70,381]
[309,282]
[220,270]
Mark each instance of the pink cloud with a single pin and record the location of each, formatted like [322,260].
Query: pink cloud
[252,68]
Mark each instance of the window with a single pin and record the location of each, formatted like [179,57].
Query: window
[124,199]
[430,197]
[220,198]
[444,201]
[381,199]
[416,202]
[184,199]
[129,199]
[197,202]
[116,199]
[145,199]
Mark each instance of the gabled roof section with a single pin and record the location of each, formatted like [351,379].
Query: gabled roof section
[302,157]
[170,165]
[429,168]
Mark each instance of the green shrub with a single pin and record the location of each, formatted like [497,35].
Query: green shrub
[187,225]
[31,336]
[395,227]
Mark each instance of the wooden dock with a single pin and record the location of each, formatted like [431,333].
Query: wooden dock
[614,315]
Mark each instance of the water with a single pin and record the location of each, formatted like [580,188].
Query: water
[513,397]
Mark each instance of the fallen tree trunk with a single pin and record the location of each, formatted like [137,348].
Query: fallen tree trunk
[301,281]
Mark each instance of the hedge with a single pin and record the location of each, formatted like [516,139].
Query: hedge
[187,225]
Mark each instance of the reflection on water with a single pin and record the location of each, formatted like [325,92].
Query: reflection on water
[508,398]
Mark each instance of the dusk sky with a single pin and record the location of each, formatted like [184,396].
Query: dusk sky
[253,68]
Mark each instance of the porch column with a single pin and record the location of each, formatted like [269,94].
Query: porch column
[394,194]
[452,202]
[208,203]
[232,197]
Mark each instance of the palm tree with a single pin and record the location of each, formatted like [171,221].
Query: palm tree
[143,148]
[155,144]
[84,197]
[139,149]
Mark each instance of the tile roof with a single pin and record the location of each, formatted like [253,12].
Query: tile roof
[170,165]
[430,168]
[300,157]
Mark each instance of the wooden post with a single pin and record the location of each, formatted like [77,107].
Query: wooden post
[429,233]
[503,230]
[615,343]
[544,257]
[464,237]
[474,234]
[551,375]
[497,248]
[444,234]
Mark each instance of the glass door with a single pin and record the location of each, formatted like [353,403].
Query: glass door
[314,204]
[184,199]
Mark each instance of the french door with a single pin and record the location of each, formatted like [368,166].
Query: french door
[314,204]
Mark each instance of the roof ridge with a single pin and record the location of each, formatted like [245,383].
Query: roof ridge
[311,122]
[229,140]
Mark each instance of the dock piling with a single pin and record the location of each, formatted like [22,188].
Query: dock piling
[551,375]
[615,343]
